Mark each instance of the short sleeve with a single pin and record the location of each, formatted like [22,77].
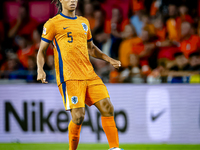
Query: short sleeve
[89,34]
[48,33]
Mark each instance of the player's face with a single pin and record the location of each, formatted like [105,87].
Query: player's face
[69,4]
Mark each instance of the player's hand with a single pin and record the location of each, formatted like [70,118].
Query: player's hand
[41,75]
[115,63]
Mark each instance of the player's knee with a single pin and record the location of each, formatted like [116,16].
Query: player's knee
[78,119]
[78,115]
[108,109]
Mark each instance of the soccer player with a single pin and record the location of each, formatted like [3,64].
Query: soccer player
[76,79]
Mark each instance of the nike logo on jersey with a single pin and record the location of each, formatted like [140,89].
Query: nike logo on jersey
[65,28]
[155,117]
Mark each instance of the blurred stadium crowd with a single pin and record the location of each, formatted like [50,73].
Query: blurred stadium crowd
[157,41]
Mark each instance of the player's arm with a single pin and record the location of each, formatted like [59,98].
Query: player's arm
[94,51]
[41,75]
[47,36]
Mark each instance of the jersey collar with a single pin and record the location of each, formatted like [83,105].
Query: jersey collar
[73,18]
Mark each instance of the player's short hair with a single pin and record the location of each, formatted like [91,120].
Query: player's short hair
[58,5]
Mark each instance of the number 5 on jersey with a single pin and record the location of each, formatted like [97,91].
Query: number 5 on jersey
[70,36]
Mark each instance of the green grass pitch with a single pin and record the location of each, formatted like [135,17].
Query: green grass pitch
[62,146]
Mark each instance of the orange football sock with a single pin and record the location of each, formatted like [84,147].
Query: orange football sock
[109,127]
[74,134]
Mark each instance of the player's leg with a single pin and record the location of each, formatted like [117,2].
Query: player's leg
[74,127]
[108,123]
[97,94]
[73,94]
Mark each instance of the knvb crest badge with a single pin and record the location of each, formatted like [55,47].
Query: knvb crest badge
[85,27]
[74,99]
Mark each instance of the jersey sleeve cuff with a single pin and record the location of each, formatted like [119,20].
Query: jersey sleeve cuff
[46,40]
[89,40]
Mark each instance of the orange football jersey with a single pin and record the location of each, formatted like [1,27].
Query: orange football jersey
[190,46]
[70,36]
